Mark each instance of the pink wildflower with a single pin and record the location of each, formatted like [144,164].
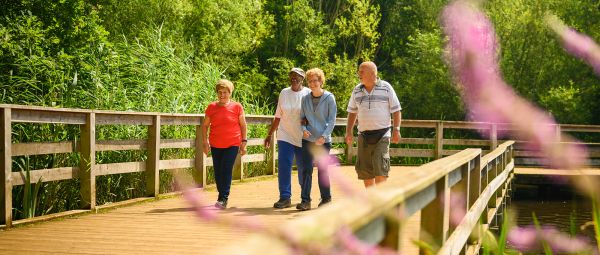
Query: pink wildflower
[529,239]
[472,52]
[350,244]
[458,208]
[577,44]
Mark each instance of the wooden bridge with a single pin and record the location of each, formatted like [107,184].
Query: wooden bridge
[415,204]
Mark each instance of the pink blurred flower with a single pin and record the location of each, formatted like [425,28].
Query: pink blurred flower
[350,244]
[577,44]
[472,52]
[523,239]
[458,208]
[200,208]
[336,176]
[207,212]
[529,239]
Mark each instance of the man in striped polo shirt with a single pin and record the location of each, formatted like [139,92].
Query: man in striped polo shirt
[372,102]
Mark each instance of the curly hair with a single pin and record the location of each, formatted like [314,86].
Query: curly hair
[316,72]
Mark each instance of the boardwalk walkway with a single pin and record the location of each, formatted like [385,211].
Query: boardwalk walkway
[166,226]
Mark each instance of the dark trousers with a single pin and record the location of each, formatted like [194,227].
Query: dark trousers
[305,174]
[223,160]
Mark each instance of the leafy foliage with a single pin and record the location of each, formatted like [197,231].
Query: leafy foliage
[151,55]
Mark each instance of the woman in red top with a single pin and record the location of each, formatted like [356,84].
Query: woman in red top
[227,137]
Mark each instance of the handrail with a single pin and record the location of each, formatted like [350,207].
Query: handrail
[355,212]
[426,189]
[87,146]
[457,241]
[21,109]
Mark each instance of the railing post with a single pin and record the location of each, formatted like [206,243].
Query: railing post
[485,180]
[393,229]
[439,140]
[153,162]
[558,133]
[434,229]
[474,192]
[87,163]
[200,157]
[493,136]
[474,180]
[460,190]
[6,162]
[271,155]
[491,176]
[238,168]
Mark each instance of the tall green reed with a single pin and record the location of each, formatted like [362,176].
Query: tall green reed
[29,191]
[150,73]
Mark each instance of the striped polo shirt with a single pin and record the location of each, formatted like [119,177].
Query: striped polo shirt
[374,109]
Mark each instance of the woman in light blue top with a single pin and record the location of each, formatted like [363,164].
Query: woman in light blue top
[319,110]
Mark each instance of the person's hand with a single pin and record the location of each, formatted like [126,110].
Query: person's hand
[396,136]
[206,147]
[267,142]
[320,141]
[304,122]
[306,134]
[349,139]
[243,149]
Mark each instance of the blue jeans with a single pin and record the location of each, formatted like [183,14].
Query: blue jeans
[223,160]
[305,174]
[285,156]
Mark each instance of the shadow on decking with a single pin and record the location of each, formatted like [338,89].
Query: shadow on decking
[235,210]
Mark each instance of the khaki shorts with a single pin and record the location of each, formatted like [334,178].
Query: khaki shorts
[373,159]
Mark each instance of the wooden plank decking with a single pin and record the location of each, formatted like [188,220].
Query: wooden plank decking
[544,171]
[168,226]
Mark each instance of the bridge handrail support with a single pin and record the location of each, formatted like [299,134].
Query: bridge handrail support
[423,189]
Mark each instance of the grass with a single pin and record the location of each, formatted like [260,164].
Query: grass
[147,74]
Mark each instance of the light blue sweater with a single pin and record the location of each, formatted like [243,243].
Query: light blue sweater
[320,120]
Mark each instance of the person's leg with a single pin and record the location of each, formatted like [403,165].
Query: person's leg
[381,160]
[229,156]
[307,169]
[380,179]
[217,158]
[364,167]
[285,157]
[299,162]
[323,168]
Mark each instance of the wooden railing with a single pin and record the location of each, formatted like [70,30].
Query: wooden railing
[376,217]
[87,146]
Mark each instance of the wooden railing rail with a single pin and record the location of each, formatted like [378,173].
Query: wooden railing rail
[87,146]
[377,215]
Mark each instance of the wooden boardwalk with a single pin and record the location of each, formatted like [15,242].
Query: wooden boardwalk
[168,226]
[544,171]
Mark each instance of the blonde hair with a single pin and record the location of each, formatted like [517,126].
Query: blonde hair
[223,83]
[316,72]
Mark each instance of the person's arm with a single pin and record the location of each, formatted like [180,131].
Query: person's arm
[395,109]
[350,127]
[276,120]
[331,114]
[205,126]
[274,126]
[352,110]
[397,118]
[244,129]
[305,132]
